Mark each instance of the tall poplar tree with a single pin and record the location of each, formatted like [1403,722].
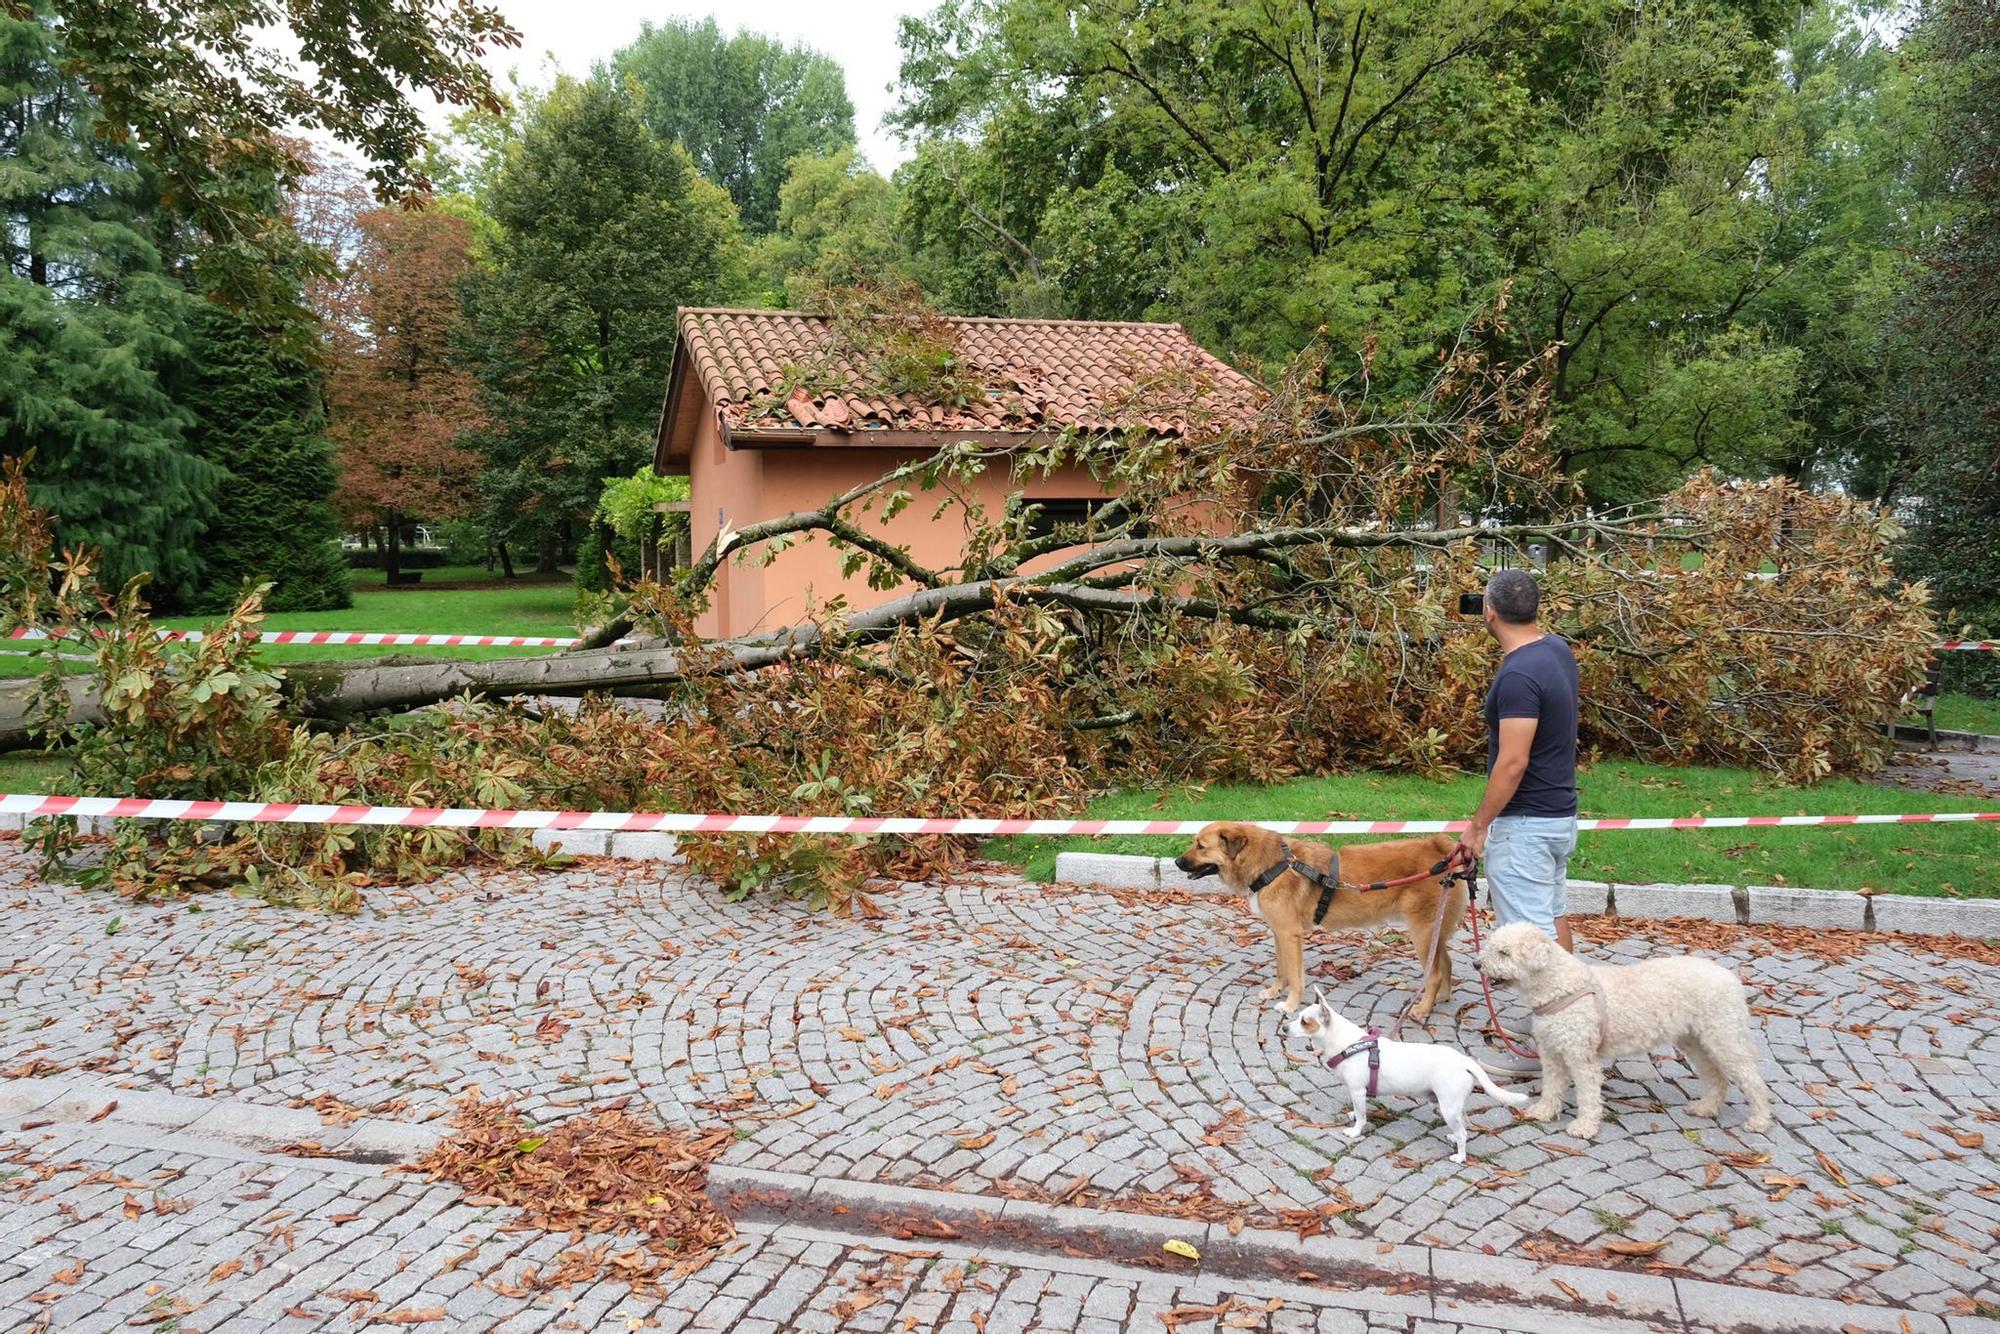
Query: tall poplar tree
[603,230]
[92,328]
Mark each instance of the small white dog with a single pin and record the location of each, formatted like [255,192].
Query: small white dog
[1585,1015]
[1372,1065]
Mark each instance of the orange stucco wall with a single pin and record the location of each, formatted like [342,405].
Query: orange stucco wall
[743,486]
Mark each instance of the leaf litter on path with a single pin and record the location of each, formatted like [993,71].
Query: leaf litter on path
[604,1175]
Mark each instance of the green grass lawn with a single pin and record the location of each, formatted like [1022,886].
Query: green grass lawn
[1919,859]
[531,605]
[1968,713]
[31,771]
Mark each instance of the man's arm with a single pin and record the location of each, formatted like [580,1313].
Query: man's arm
[1517,735]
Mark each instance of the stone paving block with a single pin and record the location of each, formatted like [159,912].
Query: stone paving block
[250,1124]
[1827,909]
[575,842]
[1912,915]
[1714,903]
[650,846]
[1591,897]
[1110,870]
[1784,1313]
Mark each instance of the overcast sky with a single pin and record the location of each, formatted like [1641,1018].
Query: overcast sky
[860,34]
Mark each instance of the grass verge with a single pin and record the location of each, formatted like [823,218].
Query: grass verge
[1968,713]
[1947,860]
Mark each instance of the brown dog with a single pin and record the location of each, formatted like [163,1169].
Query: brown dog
[1240,853]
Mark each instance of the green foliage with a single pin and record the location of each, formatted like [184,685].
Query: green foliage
[1946,414]
[1699,204]
[743,107]
[257,414]
[627,503]
[836,224]
[205,86]
[92,328]
[603,232]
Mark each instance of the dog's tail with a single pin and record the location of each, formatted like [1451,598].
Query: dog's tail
[1493,1090]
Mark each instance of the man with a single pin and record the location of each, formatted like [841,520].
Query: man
[1525,826]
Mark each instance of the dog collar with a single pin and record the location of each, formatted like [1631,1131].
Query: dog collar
[1372,1044]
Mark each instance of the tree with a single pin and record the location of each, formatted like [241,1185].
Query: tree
[1654,195]
[258,414]
[401,408]
[836,224]
[1946,417]
[742,106]
[603,231]
[201,89]
[92,329]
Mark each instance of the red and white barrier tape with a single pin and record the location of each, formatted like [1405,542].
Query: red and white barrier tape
[359,637]
[531,641]
[279,812]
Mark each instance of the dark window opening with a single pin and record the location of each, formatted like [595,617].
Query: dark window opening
[1045,516]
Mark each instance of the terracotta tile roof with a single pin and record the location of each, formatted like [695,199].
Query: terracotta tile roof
[1046,374]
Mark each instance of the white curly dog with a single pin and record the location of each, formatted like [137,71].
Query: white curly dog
[1584,1015]
[1372,1064]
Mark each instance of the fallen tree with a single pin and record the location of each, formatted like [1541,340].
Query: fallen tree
[1268,595]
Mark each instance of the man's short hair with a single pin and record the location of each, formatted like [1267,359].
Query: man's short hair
[1514,596]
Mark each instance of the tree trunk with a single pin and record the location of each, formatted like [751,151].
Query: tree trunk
[506,559]
[546,563]
[392,559]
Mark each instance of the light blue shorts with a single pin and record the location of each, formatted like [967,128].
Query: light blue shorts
[1527,861]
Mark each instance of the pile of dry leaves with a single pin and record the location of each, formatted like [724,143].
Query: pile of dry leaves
[1696,935]
[604,1174]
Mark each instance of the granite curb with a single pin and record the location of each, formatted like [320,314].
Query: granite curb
[1743,905]
[1435,1282]
[210,1126]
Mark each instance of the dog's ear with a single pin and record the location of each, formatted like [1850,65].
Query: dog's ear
[1319,998]
[1233,843]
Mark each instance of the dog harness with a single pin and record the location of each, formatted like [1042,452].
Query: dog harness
[1329,879]
[1596,993]
[1372,1044]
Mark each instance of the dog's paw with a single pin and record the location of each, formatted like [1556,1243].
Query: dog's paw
[1583,1129]
[1757,1125]
[1287,1006]
[1269,993]
[1706,1107]
[1458,1157]
[1351,1133]
[1542,1111]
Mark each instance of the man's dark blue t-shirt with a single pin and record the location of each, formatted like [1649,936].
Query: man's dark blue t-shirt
[1538,681]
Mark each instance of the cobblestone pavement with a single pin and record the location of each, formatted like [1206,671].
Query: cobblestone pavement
[987,1037]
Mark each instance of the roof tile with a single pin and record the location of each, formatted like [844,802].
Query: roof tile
[1046,373]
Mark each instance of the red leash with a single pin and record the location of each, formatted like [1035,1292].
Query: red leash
[1492,1011]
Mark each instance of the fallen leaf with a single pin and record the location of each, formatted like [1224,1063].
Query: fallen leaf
[426,1315]
[224,1270]
[1626,1246]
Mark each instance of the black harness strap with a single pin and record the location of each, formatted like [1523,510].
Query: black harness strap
[1328,880]
[1372,1044]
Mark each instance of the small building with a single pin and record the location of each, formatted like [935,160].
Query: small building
[752,451]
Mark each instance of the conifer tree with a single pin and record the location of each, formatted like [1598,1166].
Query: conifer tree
[258,413]
[92,329]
